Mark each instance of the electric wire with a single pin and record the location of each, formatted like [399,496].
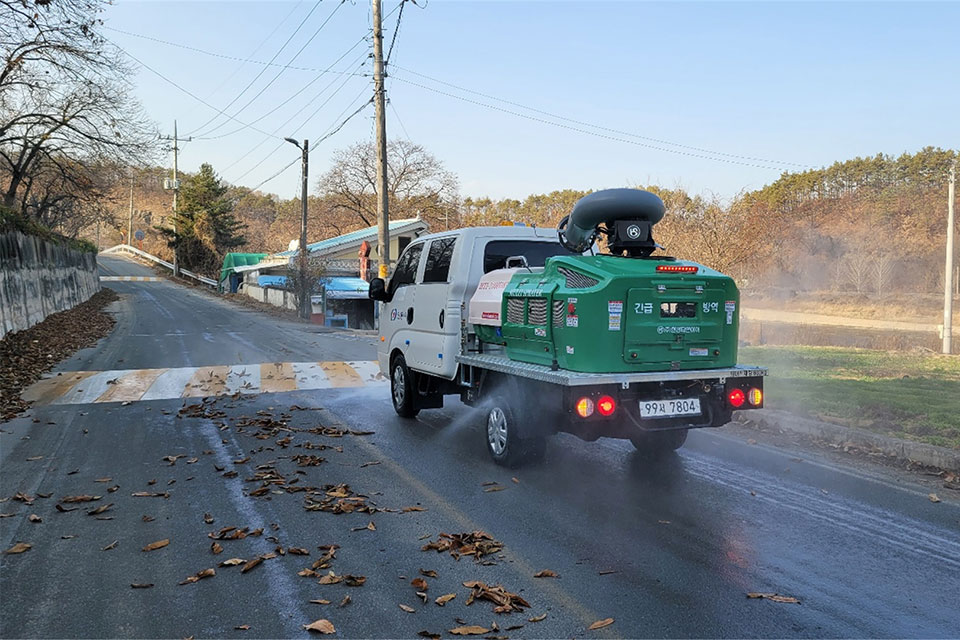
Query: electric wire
[255,51]
[396,30]
[770,165]
[288,120]
[262,71]
[301,90]
[317,143]
[185,91]
[282,70]
[214,54]
[774,163]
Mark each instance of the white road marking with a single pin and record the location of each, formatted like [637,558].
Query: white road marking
[131,279]
[131,385]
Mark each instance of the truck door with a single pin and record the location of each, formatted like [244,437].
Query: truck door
[436,323]
[397,316]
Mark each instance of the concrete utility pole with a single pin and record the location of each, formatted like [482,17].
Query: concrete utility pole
[379,98]
[175,185]
[304,306]
[948,271]
[130,216]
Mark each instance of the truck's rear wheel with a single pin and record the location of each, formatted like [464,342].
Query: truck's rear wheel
[403,388]
[659,443]
[504,442]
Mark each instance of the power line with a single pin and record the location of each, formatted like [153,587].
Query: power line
[259,46]
[302,89]
[262,71]
[282,70]
[213,54]
[325,137]
[189,93]
[396,30]
[288,120]
[771,164]
[776,163]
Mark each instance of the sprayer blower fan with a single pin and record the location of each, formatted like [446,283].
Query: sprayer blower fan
[625,216]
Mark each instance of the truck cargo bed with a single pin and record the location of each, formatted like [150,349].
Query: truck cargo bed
[500,363]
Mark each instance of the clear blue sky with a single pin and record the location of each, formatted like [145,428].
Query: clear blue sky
[803,83]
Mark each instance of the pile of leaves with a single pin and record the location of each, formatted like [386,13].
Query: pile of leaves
[26,355]
[476,543]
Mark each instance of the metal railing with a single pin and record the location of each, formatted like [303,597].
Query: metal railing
[125,248]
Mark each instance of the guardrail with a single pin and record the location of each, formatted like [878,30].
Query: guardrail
[126,248]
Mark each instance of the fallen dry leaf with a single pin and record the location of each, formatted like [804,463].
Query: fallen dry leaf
[773,597]
[159,544]
[250,565]
[419,584]
[232,562]
[298,551]
[141,585]
[371,526]
[63,509]
[200,575]
[320,626]
[103,479]
[539,618]
[473,630]
[215,548]
[34,518]
[242,627]
[546,573]
[492,489]
[409,509]
[934,497]
[444,599]
[99,510]
[110,546]
[430,573]
[406,608]
[20,547]
[600,624]
[428,634]
[208,518]
[320,601]
[344,602]
[83,498]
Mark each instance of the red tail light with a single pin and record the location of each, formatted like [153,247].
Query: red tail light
[606,405]
[676,268]
[736,398]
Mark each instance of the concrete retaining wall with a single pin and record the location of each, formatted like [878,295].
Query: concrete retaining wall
[270,295]
[38,278]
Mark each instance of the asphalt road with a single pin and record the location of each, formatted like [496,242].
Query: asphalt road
[666,550]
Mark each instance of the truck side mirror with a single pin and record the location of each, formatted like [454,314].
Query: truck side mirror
[378,290]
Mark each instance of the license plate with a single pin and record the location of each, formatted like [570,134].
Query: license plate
[670,408]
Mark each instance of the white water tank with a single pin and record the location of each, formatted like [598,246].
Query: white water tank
[486,303]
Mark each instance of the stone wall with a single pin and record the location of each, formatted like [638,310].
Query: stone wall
[38,278]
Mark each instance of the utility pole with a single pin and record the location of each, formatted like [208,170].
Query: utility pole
[175,186]
[130,216]
[304,305]
[948,271]
[383,214]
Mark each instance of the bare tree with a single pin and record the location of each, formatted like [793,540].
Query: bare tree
[416,180]
[67,118]
[884,262]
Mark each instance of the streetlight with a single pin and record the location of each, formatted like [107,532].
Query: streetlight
[304,302]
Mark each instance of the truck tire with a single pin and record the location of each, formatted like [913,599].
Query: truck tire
[403,388]
[656,444]
[502,431]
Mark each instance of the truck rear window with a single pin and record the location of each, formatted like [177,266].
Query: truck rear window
[496,252]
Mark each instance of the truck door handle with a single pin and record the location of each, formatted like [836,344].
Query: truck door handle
[441,318]
[409,315]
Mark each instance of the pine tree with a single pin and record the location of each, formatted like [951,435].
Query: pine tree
[206,226]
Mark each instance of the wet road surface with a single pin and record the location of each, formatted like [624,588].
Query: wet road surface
[668,549]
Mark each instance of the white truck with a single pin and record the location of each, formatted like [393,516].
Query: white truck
[429,348]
